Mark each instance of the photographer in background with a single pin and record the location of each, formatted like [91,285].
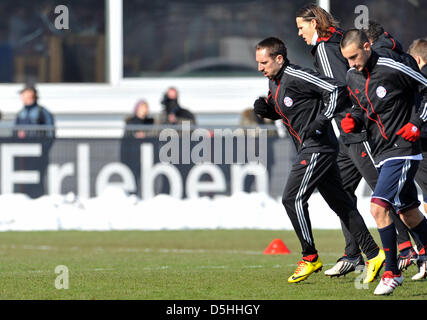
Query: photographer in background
[173,112]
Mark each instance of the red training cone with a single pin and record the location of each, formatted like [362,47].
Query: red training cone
[277,246]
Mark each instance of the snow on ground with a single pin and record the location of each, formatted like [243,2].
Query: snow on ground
[115,210]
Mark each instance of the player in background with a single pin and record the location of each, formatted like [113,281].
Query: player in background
[320,29]
[385,45]
[418,50]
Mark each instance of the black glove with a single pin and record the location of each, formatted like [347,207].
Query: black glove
[261,107]
[265,110]
[317,128]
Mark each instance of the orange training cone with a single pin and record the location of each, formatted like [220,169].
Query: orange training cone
[277,246]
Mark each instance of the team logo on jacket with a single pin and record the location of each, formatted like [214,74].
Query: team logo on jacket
[288,101]
[381,92]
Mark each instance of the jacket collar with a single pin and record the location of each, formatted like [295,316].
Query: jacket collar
[334,33]
[31,106]
[372,61]
[279,74]
[335,36]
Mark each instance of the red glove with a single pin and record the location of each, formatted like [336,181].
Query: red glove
[409,132]
[348,123]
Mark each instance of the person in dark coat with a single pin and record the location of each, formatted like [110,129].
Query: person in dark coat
[139,117]
[134,135]
[174,113]
[35,124]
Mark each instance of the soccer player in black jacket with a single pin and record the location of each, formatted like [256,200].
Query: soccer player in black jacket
[306,102]
[418,50]
[320,29]
[385,45]
[383,91]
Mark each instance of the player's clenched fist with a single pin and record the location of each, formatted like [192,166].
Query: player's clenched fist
[348,124]
[409,132]
[261,107]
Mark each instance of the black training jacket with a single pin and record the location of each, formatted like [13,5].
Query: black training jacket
[383,96]
[329,62]
[299,96]
[387,46]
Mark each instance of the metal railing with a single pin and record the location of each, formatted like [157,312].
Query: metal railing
[123,130]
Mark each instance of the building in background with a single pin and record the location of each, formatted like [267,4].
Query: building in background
[116,51]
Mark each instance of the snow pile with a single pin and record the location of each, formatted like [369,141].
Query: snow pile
[116,210]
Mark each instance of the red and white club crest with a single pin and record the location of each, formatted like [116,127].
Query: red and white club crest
[288,101]
[381,92]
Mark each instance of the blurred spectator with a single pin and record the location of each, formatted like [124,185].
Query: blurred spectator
[33,114]
[250,118]
[130,146]
[173,112]
[139,117]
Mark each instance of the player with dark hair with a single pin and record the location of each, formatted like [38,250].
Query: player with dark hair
[385,45]
[306,102]
[375,31]
[382,91]
[321,30]
[33,114]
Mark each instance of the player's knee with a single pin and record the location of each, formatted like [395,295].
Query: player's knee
[411,216]
[379,208]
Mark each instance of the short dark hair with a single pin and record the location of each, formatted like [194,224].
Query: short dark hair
[275,47]
[354,36]
[374,31]
[29,88]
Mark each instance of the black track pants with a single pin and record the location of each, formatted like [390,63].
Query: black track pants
[320,170]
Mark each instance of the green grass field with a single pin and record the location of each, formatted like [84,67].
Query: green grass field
[182,265]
